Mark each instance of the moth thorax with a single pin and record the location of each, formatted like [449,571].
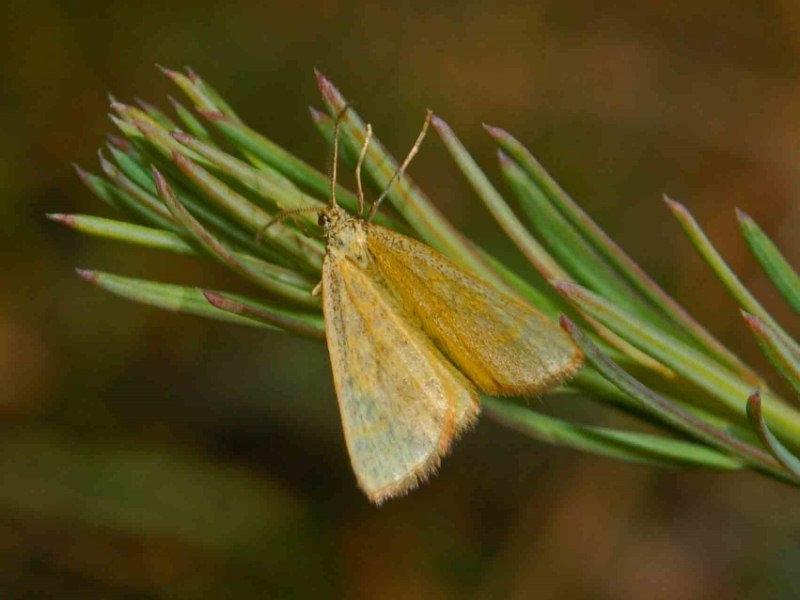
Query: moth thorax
[348,239]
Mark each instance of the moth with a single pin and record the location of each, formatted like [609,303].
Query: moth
[412,337]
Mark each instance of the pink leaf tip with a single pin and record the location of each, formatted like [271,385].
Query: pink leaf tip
[441,125]
[182,137]
[60,218]
[754,403]
[742,216]
[495,132]
[214,299]
[317,115]
[328,90]
[88,275]
[119,142]
[675,206]
[161,183]
[169,72]
[213,115]
[565,323]
[503,158]
[148,106]
[83,175]
[321,79]
[753,322]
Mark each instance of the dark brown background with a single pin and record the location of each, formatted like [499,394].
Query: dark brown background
[696,99]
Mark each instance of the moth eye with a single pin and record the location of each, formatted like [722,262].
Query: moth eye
[322,221]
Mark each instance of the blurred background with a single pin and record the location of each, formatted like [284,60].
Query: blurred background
[149,455]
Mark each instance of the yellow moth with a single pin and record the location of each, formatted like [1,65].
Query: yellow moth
[412,337]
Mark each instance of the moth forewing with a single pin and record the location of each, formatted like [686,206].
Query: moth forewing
[402,402]
[502,344]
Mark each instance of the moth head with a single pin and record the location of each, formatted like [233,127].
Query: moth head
[331,216]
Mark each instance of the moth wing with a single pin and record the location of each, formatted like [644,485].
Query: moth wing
[402,402]
[502,344]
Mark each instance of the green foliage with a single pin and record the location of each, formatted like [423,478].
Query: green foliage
[199,199]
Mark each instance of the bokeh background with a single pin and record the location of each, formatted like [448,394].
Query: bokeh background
[149,455]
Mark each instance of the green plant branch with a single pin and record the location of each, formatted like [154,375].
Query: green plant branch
[200,200]
[668,411]
[723,384]
[772,261]
[629,268]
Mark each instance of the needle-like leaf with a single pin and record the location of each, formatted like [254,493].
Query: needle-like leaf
[250,215]
[159,239]
[646,356]
[666,410]
[723,384]
[775,349]
[192,123]
[280,192]
[772,261]
[166,296]
[622,445]
[547,266]
[786,458]
[611,250]
[217,249]
[405,196]
[721,269]
[308,325]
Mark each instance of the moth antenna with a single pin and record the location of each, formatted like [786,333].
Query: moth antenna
[397,174]
[361,157]
[335,158]
[282,216]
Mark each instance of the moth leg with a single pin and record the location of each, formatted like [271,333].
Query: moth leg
[317,289]
[286,214]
